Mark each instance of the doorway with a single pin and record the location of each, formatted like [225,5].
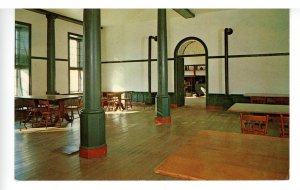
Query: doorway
[190,69]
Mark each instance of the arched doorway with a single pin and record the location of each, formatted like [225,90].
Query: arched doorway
[190,47]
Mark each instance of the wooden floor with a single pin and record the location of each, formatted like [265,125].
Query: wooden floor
[136,145]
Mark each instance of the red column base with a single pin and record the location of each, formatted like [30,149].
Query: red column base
[216,108]
[163,119]
[93,152]
[174,106]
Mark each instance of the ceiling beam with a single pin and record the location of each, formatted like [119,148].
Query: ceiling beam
[185,13]
[65,18]
[59,16]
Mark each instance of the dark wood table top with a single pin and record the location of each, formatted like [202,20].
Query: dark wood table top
[48,97]
[269,95]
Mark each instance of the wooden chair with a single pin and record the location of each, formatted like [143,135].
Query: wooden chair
[254,124]
[49,113]
[284,125]
[281,100]
[127,98]
[104,100]
[111,101]
[20,109]
[32,113]
[71,105]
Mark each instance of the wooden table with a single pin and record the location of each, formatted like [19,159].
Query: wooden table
[218,155]
[118,95]
[49,97]
[271,97]
[260,108]
[58,99]
[267,95]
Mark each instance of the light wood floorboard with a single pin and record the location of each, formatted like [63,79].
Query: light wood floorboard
[136,145]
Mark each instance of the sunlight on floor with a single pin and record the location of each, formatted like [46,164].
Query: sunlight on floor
[121,112]
[195,101]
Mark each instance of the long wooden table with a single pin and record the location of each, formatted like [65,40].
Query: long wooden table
[57,99]
[271,98]
[118,95]
[49,97]
[260,108]
[267,95]
[218,155]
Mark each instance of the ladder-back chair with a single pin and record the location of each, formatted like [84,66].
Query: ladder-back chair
[284,125]
[254,124]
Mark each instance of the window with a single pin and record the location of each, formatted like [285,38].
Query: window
[75,63]
[22,59]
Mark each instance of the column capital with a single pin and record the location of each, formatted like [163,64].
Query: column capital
[51,16]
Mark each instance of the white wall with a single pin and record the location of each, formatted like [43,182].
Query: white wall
[259,75]
[61,36]
[194,60]
[39,49]
[128,76]
[39,76]
[62,77]
[124,76]
[254,32]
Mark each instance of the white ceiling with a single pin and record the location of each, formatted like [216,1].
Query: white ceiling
[119,16]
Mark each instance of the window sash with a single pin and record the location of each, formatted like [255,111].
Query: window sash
[21,82]
[22,59]
[75,63]
[76,80]
[22,56]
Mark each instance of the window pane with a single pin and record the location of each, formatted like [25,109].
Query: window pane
[73,53]
[22,45]
[22,59]
[22,82]
[76,63]
[81,81]
[74,81]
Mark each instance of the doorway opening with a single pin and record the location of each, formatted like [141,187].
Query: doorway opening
[190,70]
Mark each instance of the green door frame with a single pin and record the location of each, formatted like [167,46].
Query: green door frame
[178,70]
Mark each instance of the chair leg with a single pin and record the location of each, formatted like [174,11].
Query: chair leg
[59,120]
[43,119]
[110,106]
[72,115]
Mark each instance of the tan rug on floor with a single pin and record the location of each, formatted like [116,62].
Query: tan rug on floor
[215,155]
[42,129]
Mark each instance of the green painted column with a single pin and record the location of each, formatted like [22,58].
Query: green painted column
[51,73]
[92,118]
[162,97]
